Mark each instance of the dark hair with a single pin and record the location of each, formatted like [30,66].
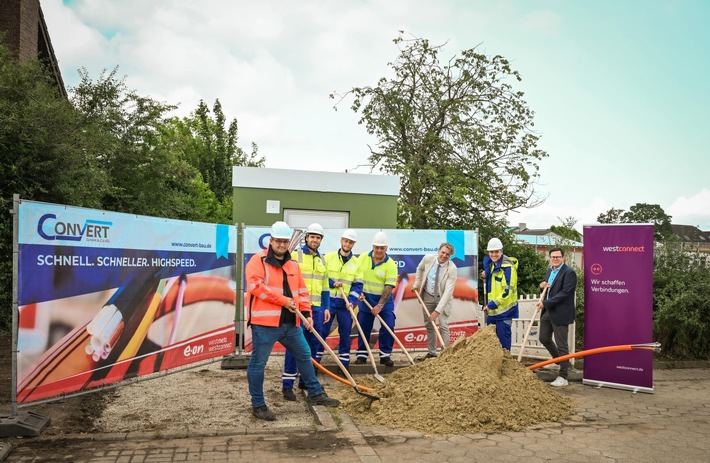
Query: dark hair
[549,253]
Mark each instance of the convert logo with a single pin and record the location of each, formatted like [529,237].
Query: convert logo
[49,228]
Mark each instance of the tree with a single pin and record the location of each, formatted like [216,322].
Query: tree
[457,133]
[566,231]
[650,213]
[43,155]
[124,126]
[610,216]
[681,300]
[146,175]
[205,142]
[641,213]
[531,264]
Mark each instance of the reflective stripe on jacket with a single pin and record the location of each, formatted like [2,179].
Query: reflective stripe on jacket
[315,275]
[265,284]
[348,273]
[502,286]
[376,277]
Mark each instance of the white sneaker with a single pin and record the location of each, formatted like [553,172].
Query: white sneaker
[559,382]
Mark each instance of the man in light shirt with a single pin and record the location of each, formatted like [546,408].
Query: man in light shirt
[436,275]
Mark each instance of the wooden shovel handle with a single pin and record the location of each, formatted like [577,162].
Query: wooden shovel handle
[382,322]
[532,320]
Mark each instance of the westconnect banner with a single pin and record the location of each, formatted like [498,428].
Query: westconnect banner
[618,304]
[105,297]
[406,247]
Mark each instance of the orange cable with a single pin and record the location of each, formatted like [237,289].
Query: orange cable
[338,378]
[598,350]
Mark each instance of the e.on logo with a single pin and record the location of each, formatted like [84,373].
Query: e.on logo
[189,351]
[411,337]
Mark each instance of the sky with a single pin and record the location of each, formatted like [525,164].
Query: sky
[618,87]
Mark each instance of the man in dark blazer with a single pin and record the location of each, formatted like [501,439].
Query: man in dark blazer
[558,310]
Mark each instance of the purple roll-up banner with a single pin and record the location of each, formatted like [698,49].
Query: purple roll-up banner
[618,304]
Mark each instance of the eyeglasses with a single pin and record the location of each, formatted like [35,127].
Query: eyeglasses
[556,257]
[280,242]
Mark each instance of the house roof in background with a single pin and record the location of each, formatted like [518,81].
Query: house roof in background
[691,233]
[545,240]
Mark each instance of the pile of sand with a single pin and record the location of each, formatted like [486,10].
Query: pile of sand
[474,386]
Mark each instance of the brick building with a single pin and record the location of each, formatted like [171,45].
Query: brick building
[25,33]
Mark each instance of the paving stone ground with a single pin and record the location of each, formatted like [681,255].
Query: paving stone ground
[611,425]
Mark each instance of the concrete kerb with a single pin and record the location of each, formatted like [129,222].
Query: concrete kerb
[180,434]
[325,421]
[4,450]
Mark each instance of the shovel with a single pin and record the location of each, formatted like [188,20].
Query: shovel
[426,311]
[365,341]
[382,322]
[532,320]
[335,357]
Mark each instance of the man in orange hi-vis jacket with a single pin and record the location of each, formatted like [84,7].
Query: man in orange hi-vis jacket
[276,292]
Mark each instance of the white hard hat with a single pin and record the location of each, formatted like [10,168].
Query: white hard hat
[314,229]
[281,230]
[349,234]
[380,239]
[494,245]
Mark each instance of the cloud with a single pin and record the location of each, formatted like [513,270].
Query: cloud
[272,64]
[549,213]
[694,210]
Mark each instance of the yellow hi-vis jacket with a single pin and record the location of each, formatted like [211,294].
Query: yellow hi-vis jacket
[376,277]
[315,275]
[348,273]
[502,287]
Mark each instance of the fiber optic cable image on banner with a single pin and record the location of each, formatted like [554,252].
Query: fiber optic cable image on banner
[94,315]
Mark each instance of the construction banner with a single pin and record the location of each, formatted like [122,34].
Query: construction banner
[104,297]
[618,304]
[407,248]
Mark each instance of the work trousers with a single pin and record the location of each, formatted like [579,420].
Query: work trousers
[560,346]
[385,339]
[431,302]
[345,326]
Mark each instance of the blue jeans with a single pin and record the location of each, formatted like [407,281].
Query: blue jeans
[290,365]
[263,339]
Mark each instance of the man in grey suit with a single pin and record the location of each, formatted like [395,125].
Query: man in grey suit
[558,310]
[436,275]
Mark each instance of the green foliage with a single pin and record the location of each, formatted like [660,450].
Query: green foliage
[107,148]
[124,128]
[641,213]
[43,155]
[531,264]
[610,216]
[566,231]
[681,301]
[457,134]
[208,144]
[203,141]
